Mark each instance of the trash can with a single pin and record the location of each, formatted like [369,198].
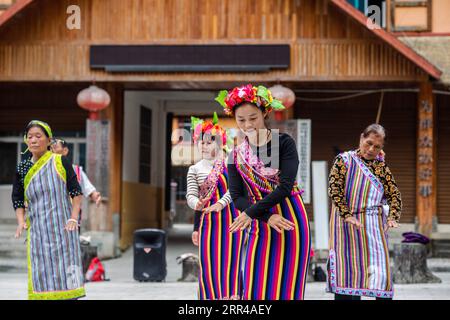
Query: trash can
[149,255]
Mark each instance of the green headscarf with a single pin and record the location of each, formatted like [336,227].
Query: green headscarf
[43,125]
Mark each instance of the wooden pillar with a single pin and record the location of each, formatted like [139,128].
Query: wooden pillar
[388,15]
[115,114]
[426,161]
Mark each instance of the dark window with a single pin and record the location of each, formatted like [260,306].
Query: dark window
[179,175]
[8,162]
[70,155]
[82,155]
[365,5]
[145,145]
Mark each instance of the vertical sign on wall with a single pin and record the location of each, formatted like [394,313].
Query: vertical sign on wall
[97,153]
[304,155]
[321,210]
[426,176]
[300,131]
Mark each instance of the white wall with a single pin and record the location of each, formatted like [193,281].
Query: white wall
[6,208]
[160,102]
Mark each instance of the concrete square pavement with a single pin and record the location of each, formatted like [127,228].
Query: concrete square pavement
[122,286]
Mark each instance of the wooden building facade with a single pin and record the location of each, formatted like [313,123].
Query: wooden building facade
[331,53]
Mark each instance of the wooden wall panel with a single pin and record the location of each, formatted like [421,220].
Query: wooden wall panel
[134,214]
[55,105]
[326,60]
[326,44]
[336,127]
[443,158]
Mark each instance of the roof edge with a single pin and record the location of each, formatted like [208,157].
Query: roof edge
[14,9]
[390,39]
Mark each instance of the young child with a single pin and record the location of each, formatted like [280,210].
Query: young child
[207,193]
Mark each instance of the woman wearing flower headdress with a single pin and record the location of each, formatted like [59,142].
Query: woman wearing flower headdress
[207,193]
[262,171]
[44,184]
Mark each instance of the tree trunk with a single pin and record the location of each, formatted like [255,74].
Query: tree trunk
[410,264]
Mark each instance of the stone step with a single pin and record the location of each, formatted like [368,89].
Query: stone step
[438,264]
[8,222]
[13,253]
[13,264]
[442,253]
[13,244]
[441,236]
[6,236]
[441,247]
[8,228]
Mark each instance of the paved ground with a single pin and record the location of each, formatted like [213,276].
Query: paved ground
[13,286]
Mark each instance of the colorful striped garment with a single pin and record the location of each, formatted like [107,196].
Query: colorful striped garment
[358,262]
[219,250]
[54,256]
[275,264]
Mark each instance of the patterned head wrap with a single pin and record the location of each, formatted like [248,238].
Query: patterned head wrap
[43,125]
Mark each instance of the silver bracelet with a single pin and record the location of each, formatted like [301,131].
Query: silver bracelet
[73,220]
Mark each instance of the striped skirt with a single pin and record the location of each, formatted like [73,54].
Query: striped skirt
[220,256]
[55,269]
[359,258]
[276,264]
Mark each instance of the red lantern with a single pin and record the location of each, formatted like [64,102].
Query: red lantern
[93,99]
[278,115]
[285,95]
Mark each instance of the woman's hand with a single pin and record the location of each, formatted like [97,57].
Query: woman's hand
[279,223]
[216,207]
[71,225]
[353,221]
[195,238]
[200,204]
[21,226]
[391,224]
[242,222]
[96,197]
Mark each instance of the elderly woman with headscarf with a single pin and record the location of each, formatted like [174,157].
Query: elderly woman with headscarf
[44,185]
[366,203]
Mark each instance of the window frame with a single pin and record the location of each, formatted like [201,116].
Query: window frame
[394,4]
[76,141]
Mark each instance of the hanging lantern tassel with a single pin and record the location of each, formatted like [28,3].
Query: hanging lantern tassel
[93,99]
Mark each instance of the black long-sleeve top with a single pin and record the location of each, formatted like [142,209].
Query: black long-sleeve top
[286,160]
[17,196]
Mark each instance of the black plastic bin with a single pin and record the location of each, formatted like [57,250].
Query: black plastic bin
[149,255]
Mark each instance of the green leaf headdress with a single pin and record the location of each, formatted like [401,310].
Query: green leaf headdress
[200,127]
[259,96]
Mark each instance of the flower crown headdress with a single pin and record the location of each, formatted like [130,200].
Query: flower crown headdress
[259,96]
[201,127]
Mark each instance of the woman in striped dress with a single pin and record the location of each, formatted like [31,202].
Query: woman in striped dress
[366,204]
[262,172]
[207,193]
[44,184]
